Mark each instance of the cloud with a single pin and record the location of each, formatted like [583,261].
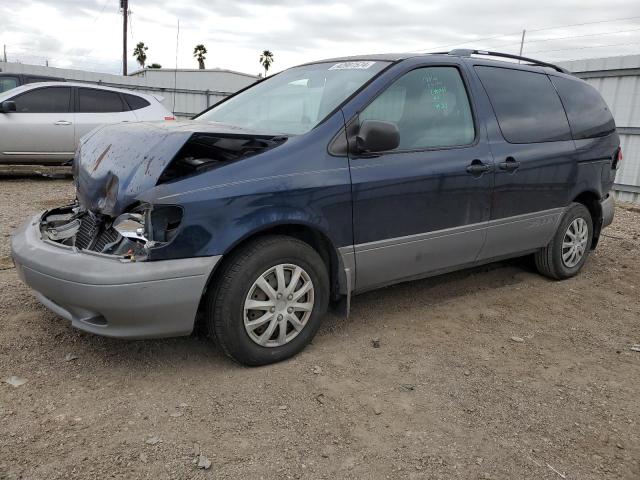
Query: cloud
[87,33]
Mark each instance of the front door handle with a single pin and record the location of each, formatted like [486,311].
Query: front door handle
[62,122]
[478,168]
[510,165]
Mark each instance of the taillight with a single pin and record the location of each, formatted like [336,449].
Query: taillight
[169,118]
[617,158]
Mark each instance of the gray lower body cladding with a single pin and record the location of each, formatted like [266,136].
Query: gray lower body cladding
[107,296]
[608,208]
[394,260]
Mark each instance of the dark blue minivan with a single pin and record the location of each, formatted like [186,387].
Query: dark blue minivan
[323,181]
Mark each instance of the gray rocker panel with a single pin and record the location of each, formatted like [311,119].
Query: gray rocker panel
[392,260]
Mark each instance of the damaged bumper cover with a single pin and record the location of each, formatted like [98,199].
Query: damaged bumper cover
[105,295]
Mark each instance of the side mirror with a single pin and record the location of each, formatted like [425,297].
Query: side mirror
[376,136]
[8,106]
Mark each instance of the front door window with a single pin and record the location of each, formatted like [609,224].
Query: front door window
[429,106]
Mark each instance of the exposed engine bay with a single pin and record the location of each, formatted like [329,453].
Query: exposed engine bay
[207,150]
[130,235]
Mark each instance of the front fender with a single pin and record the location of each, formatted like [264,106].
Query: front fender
[271,218]
[217,220]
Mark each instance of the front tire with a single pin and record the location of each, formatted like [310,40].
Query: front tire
[268,300]
[567,252]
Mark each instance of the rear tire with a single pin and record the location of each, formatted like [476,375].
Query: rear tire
[256,313]
[567,252]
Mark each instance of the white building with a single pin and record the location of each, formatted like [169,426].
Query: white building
[195,89]
[213,79]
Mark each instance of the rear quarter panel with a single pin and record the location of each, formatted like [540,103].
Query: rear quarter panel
[153,112]
[595,158]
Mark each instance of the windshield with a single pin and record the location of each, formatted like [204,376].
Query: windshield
[296,100]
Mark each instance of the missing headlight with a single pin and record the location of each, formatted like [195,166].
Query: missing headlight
[148,227]
[131,225]
[165,221]
[130,235]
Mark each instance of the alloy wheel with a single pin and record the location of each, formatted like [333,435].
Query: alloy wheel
[278,305]
[574,243]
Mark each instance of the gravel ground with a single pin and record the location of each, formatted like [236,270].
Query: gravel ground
[448,394]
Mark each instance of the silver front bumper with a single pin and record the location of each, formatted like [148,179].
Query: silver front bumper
[104,295]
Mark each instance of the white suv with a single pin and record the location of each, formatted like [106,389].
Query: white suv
[42,122]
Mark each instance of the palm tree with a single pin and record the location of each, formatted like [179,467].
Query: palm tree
[199,53]
[140,53]
[266,59]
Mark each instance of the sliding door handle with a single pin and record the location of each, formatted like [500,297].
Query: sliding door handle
[510,165]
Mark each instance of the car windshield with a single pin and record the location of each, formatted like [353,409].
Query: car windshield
[296,100]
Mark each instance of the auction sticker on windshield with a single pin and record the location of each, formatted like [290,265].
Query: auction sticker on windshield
[352,66]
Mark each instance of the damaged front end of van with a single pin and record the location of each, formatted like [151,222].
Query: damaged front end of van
[91,262]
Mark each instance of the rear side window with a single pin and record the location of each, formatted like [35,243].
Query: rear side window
[526,104]
[135,102]
[7,83]
[588,114]
[429,106]
[99,101]
[44,100]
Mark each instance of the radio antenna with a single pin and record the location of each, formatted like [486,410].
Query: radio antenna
[175,72]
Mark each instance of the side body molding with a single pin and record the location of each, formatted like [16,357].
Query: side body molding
[394,260]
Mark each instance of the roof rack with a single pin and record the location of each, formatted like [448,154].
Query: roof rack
[463,52]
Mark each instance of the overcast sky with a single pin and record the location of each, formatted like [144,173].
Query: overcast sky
[87,34]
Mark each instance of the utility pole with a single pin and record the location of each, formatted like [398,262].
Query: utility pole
[522,42]
[124,5]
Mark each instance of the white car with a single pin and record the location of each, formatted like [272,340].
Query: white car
[41,123]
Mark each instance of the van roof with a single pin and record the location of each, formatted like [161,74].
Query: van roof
[395,57]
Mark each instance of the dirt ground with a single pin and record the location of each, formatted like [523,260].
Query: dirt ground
[448,393]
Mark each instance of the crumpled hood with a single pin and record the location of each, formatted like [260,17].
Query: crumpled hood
[115,163]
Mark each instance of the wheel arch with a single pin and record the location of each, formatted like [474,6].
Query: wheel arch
[311,235]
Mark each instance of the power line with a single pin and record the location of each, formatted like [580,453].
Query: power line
[104,5]
[582,36]
[585,48]
[131,26]
[22,58]
[465,43]
[563,60]
[568,37]
[175,72]
[84,60]
[57,54]
[585,23]
[528,31]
